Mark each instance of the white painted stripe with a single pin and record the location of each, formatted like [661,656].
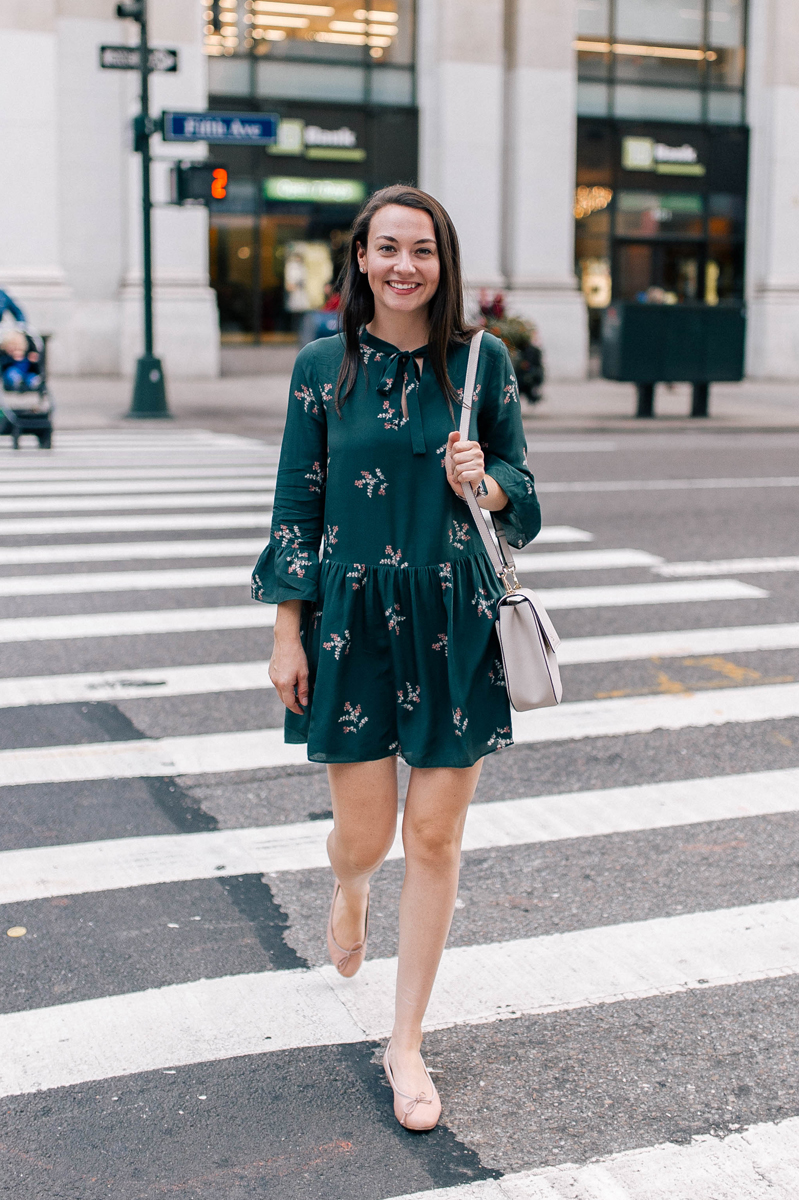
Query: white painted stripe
[562,533]
[543,446]
[679,643]
[113,487]
[54,526]
[239,576]
[232,548]
[586,560]
[190,500]
[728,566]
[256,749]
[47,871]
[68,584]
[213,469]
[134,685]
[214,1019]
[205,678]
[668,485]
[118,551]
[127,624]
[617,595]
[761,1163]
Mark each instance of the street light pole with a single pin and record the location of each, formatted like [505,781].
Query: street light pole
[149,391]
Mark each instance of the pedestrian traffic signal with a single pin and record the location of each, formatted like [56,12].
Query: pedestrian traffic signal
[198,183]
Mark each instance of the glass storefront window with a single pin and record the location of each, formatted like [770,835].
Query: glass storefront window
[593,18]
[726,21]
[667,104]
[671,22]
[339,30]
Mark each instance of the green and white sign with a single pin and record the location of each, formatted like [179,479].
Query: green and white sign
[319,191]
[646,154]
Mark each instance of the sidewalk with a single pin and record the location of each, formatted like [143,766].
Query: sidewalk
[254,405]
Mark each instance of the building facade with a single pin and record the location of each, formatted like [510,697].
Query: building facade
[587,150]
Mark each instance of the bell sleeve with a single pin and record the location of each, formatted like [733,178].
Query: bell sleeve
[501,433]
[288,568]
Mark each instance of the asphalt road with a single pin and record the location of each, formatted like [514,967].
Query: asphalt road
[123,1074]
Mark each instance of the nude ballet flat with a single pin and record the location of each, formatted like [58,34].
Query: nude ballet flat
[346,962]
[407,1110]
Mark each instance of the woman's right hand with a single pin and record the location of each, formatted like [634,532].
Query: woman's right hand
[288,666]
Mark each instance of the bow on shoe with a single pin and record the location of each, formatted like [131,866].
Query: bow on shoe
[395,375]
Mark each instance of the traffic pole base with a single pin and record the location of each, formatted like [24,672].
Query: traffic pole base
[149,392]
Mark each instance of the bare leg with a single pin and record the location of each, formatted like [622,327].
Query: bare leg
[364,797]
[432,829]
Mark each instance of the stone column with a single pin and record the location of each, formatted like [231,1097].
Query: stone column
[772,261]
[31,269]
[460,84]
[538,243]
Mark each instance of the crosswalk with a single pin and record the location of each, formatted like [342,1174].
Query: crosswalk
[579,898]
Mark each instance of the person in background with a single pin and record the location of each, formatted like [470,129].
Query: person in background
[19,363]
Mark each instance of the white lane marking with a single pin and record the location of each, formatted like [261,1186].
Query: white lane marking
[113,487]
[727,566]
[610,596]
[678,643]
[200,472]
[562,533]
[217,677]
[119,551]
[205,499]
[53,526]
[124,581]
[668,485]
[213,1019]
[760,1163]
[127,624]
[47,871]
[136,684]
[187,548]
[542,446]
[256,749]
[586,560]
[616,595]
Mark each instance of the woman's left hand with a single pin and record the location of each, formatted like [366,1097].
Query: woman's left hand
[464,463]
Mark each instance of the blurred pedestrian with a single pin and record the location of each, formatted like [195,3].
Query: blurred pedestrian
[387,646]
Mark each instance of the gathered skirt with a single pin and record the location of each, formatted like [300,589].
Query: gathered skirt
[403,661]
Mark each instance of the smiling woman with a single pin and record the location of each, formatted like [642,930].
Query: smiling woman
[385,643]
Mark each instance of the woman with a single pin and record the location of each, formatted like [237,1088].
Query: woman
[385,642]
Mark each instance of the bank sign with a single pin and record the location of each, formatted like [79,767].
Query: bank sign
[647,154]
[222,129]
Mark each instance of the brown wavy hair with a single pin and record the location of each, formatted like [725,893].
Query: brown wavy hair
[445,311]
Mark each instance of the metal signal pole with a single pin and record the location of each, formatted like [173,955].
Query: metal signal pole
[149,391]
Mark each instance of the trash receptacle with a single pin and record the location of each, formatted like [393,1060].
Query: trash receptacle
[700,344]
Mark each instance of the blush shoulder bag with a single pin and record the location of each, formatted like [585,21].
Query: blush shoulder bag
[527,637]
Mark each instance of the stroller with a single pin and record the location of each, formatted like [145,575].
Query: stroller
[23,369]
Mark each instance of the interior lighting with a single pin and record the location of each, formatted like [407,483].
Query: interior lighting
[378,41]
[589,200]
[272,35]
[289,22]
[375,14]
[308,10]
[385,30]
[646,51]
[341,39]
[376,52]
[348,26]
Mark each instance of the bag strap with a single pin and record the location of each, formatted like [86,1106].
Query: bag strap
[499,552]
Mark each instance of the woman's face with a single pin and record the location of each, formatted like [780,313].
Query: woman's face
[401,258]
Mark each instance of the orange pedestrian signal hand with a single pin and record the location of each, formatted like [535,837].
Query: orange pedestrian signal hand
[219,184]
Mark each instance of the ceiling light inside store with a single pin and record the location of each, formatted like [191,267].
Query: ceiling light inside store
[289,22]
[385,30]
[271,35]
[341,39]
[348,26]
[308,10]
[376,52]
[375,14]
[645,51]
[378,41]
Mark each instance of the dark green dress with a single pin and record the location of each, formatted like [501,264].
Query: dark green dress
[398,623]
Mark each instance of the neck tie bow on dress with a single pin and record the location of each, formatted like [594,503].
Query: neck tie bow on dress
[395,375]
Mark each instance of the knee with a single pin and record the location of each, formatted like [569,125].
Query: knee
[429,843]
[364,853]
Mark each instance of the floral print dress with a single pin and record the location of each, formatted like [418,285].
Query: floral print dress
[399,594]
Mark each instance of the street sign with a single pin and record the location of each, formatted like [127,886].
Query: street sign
[126,58]
[224,129]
